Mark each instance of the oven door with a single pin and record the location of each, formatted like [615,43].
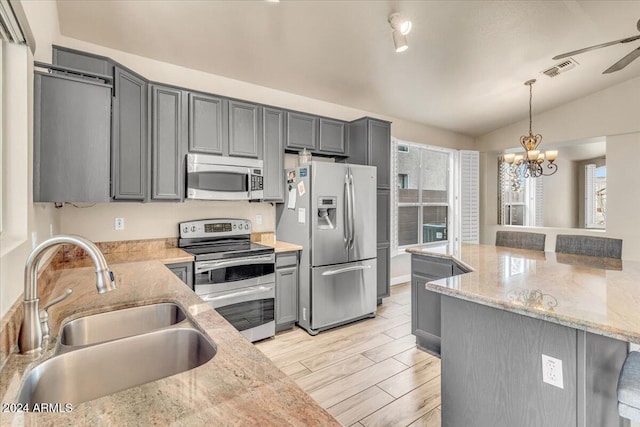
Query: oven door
[218,182]
[250,310]
[236,273]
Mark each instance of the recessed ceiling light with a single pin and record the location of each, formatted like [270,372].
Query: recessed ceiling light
[399,23]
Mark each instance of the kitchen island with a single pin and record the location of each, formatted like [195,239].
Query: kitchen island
[512,308]
[238,386]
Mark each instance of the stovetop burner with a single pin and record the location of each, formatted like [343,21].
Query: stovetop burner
[213,239]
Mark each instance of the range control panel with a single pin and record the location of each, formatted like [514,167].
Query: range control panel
[214,228]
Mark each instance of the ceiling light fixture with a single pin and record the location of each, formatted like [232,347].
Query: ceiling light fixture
[399,23]
[529,164]
[401,28]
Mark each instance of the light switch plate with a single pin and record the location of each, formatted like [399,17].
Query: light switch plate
[552,371]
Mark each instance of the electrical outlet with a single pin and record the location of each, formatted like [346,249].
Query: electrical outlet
[258,219]
[552,371]
[119,224]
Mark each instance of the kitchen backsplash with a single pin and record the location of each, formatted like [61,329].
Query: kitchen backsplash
[157,220]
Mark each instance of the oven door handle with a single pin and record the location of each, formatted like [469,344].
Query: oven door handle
[244,295]
[346,269]
[204,266]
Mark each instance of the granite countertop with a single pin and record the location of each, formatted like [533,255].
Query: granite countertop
[592,294]
[239,386]
[164,255]
[282,246]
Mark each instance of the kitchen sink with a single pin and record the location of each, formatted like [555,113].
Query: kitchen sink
[120,324]
[99,370]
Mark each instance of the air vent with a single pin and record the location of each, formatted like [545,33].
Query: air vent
[560,68]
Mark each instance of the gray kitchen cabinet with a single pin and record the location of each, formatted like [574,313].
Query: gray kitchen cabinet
[370,144]
[129,141]
[273,129]
[383,271]
[332,136]
[72,136]
[207,126]
[184,271]
[425,304]
[383,206]
[302,131]
[286,290]
[81,61]
[168,142]
[245,136]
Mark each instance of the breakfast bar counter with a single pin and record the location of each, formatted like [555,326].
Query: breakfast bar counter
[526,338]
[238,386]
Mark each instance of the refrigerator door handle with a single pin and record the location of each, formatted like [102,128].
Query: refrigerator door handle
[346,212]
[346,269]
[352,211]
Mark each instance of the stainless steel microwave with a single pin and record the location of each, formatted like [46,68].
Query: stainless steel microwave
[224,178]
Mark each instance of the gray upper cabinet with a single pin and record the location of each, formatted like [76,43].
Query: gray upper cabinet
[206,124]
[81,61]
[370,144]
[302,131]
[129,143]
[244,129]
[72,135]
[168,140]
[273,125]
[332,136]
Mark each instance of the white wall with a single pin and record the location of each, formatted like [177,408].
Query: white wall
[613,112]
[560,196]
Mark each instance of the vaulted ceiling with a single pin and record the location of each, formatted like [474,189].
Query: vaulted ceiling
[464,69]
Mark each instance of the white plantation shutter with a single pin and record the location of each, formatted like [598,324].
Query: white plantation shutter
[589,196]
[469,196]
[539,201]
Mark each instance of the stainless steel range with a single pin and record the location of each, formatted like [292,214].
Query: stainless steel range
[232,274]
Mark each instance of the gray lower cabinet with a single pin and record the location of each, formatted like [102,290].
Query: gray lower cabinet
[207,133]
[72,136]
[383,271]
[184,271]
[302,131]
[383,212]
[245,136]
[273,129]
[425,304]
[286,290]
[168,142]
[129,141]
[332,136]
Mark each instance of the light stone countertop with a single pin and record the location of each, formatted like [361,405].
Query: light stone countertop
[282,246]
[239,386]
[597,295]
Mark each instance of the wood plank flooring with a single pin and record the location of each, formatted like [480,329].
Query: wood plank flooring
[369,373]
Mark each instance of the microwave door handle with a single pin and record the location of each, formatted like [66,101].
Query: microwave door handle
[248,183]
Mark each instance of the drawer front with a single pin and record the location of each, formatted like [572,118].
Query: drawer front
[286,259]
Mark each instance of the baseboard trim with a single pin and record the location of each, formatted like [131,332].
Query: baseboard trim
[400,279]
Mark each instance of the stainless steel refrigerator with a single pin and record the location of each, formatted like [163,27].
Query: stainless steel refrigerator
[330,210]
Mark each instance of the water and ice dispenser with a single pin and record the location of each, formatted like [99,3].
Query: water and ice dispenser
[327,213]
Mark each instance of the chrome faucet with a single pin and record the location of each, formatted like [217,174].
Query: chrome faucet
[31,332]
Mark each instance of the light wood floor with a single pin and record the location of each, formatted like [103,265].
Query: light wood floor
[368,373]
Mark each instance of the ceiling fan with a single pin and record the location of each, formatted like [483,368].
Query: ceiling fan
[630,57]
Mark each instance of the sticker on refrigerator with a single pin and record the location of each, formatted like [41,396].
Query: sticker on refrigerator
[291,177]
[301,190]
[303,172]
[291,204]
[302,214]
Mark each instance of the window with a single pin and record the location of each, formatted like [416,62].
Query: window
[595,196]
[520,200]
[423,194]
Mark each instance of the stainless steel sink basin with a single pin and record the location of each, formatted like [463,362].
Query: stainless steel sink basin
[102,369]
[120,324]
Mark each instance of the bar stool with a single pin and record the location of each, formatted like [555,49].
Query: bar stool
[602,247]
[520,240]
[629,388]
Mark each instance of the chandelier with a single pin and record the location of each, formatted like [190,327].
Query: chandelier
[530,164]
